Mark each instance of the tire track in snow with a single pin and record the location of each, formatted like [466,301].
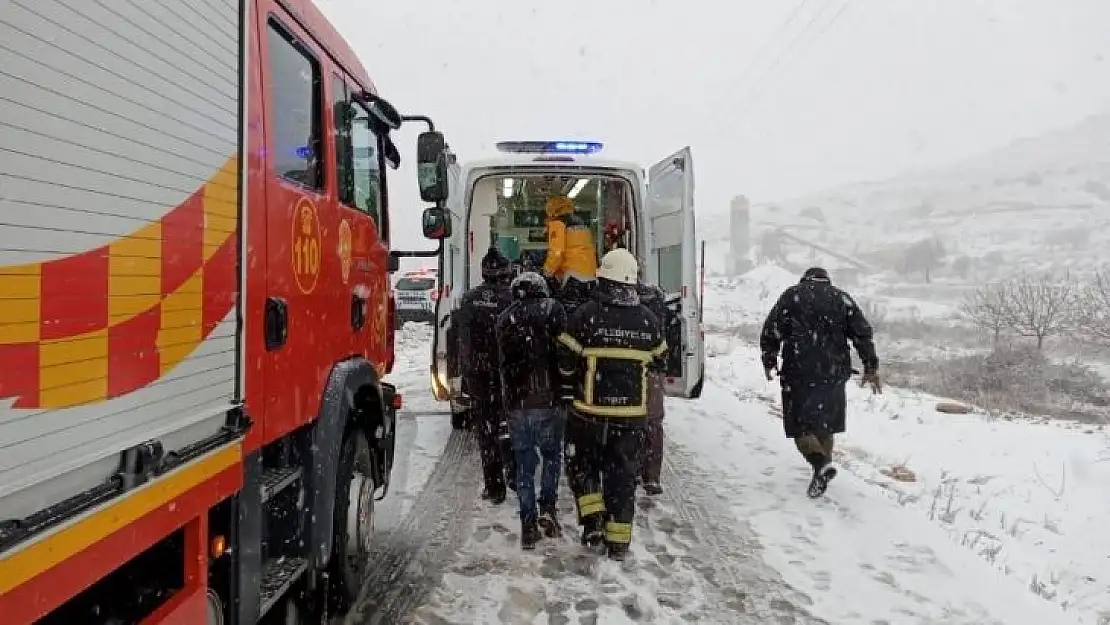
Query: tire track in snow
[728,546]
[408,561]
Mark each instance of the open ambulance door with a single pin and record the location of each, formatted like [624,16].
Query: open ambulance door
[673,255]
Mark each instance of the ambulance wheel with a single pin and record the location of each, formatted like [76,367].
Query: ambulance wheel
[460,420]
[353,530]
[696,391]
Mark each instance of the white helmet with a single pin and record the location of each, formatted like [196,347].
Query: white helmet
[619,265]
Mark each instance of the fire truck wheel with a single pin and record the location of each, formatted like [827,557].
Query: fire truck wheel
[354,520]
[215,609]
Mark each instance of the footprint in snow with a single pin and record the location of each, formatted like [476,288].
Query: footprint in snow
[522,606]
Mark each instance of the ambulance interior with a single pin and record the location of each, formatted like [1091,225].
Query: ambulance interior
[508,211]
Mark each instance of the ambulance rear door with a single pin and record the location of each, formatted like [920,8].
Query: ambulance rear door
[672,263]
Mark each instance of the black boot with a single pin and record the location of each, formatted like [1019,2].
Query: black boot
[529,535]
[819,483]
[593,530]
[653,487]
[616,551]
[549,521]
[494,494]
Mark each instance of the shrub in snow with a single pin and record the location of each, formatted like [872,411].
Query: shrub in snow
[1017,380]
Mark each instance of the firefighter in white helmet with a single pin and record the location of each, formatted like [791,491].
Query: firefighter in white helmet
[610,344]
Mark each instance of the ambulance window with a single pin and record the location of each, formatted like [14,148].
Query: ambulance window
[670,268]
[295,109]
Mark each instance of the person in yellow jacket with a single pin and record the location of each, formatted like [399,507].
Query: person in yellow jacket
[571,254]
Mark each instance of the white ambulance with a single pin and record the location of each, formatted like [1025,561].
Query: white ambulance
[500,202]
[414,296]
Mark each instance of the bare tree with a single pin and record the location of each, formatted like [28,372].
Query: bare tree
[961,266]
[1093,309]
[924,256]
[986,309]
[1039,307]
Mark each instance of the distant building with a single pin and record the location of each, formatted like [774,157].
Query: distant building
[740,236]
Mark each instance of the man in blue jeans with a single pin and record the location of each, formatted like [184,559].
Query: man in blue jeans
[526,333]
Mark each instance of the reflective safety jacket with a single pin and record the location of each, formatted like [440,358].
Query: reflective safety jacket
[570,249]
[605,354]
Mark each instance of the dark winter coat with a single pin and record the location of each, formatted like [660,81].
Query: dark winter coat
[811,324]
[605,354]
[476,317]
[653,298]
[526,334]
[574,292]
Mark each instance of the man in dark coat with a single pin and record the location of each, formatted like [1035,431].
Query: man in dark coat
[605,357]
[481,379]
[652,298]
[530,383]
[812,323]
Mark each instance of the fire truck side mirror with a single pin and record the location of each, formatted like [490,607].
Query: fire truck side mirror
[436,224]
[431,166]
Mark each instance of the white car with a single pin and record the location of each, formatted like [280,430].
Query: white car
[415,294]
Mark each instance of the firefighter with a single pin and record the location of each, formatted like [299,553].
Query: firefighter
[526,334]
[605,355]
[811,324]
[477,314]
[653,298]
[571,263]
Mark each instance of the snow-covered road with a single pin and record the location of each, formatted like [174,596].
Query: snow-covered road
[732,540]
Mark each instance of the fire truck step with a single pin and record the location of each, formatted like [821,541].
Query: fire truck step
[276,480]
[278,575]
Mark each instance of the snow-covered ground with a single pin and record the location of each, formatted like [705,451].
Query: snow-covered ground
[1003,523]
[998,511]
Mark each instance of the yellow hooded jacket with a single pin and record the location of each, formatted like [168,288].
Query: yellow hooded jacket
[570,246]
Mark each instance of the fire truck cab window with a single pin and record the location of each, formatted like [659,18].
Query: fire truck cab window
[356,155]
[295,109]
[344,162]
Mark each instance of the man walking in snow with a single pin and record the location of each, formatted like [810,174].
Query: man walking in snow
[476,317]
[812,323]
[605,354]
[526,334]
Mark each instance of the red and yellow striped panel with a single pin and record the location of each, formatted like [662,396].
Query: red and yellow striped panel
[106,322]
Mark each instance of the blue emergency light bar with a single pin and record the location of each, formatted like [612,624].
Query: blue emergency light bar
[549,147]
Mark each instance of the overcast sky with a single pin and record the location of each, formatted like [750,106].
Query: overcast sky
[887,86]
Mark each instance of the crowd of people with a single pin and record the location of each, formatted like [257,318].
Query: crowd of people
[569,361]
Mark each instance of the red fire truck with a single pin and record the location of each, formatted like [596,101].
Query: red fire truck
[195,312]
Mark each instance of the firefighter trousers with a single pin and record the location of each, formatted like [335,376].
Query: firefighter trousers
[602,462]
[498,467]
[652,466]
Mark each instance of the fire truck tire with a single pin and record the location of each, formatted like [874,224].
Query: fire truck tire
[216,615]
[353,520]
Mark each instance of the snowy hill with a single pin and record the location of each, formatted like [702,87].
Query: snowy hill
[1041,203]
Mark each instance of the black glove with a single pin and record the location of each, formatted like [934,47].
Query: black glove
[770,369]
[873,379]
